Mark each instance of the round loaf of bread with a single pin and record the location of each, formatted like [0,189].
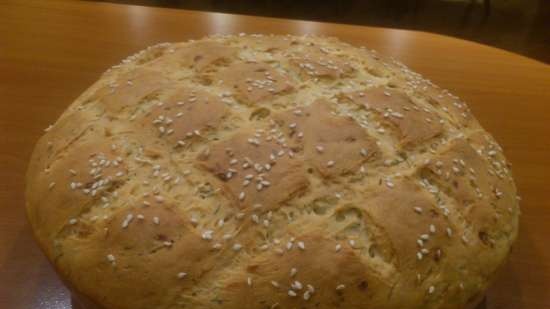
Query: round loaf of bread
[251,172]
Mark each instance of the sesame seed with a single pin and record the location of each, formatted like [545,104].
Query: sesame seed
[432,228]
[397,115]
[301,245]
[296,285]
[156,220]
[51,185]
[338,247]
[431,289]
[291,293]
[249,281]
[330,163]
[307,295]
[351,243]
[237,247]
[181,275]
[127,221]
[289,245]
[73,221]
[254,141]
[419,256]
[424,236]
[340,287]
[241,196]
[293,272]
[275,284]
[207,235]
[320,148]
[418,210]
[217,246]
[111,258]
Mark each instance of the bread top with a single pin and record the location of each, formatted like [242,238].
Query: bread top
[259,171]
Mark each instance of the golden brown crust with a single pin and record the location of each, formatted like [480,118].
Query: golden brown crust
[199,56]
[413,123]
[270,172]
[333,145]
[251,169]
[128,90]
[184,115]
[315,63]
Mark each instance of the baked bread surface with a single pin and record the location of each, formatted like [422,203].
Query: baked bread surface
[271,172]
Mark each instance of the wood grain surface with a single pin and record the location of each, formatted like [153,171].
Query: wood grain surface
[51,51]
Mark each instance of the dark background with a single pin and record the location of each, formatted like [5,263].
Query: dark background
[520,26]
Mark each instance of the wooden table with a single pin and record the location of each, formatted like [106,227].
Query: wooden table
[51,51]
